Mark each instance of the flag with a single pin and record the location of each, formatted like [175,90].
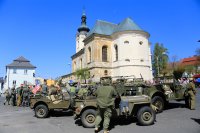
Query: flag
[36,89]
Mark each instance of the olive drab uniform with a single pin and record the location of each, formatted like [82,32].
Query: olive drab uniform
[105,103]
[7,95]
[72,90]
[44,90]
[25,96]
[19,96]
[13,97]
[191,95]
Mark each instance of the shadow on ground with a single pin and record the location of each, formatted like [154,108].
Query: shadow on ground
[60,113]
[196,120]
[174,105]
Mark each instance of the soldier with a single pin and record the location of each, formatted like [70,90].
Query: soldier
[72,90]
[105,102]
[7,95]
[13,96]
[44,88]
[25,95]
[191,94]
[19,95]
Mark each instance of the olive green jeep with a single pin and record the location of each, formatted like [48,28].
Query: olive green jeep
[125,106]
[164,90]
[42,105]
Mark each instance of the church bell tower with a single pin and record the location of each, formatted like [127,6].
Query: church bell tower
[82,33]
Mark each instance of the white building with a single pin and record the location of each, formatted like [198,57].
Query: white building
[110,49]
[20,71]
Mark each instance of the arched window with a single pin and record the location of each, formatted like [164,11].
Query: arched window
[116,53]
[105,72]
[104,54]
[81,63]
[89,55]
[74,65]
[126,42]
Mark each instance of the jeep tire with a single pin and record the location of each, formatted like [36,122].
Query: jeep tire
[41,111]
[159,103]
[146,116]
[88,118]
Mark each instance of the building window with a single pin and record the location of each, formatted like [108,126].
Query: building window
[33,74]
[116,53]
[105,72]
[14,71]
[89,55]
[74,65]
[14,82]
[126,42]
[25,71]
[81,63]
[140,42]
[25,82]
[104,54]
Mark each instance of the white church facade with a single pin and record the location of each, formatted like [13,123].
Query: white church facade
[20,71]
[110,49]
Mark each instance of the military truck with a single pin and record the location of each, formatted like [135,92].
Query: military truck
[164,90]
[42,105]
[125,106]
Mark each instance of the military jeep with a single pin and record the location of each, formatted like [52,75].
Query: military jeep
[42,105]
[126,106]
[164,90]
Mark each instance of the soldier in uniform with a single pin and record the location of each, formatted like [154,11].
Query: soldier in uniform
[13,96]
[105,102]
[7,95]
[19,95]
[191,94]
[25,96]
[44,88]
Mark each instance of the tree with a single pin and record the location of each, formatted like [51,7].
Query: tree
[178,72]
[160,59]
[83,73]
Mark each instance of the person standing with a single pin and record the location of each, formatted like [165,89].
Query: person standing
[45,88]
[105,102]
[19,95]
[7,95]
[25,95]
[191,94]
[13,96]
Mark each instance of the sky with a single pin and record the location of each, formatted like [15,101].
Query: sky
[44,31]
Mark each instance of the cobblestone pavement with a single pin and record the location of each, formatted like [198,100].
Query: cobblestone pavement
[175,119]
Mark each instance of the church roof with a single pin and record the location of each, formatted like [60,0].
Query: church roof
[21,62]
[107,28]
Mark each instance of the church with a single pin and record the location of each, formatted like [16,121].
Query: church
[110,49]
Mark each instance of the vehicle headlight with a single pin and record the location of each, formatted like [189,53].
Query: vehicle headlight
[82,106]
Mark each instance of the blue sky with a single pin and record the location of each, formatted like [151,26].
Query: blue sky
[43,31]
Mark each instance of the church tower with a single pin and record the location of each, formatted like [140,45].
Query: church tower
[82,33]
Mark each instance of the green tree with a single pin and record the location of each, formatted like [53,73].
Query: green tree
[160,59]
[178,72]
[83,74]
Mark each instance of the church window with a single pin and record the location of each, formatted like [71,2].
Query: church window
[116,53]
[105,72]
[140,42]
[74,65]
[104,54]
[81,63]
[89,55]
[126,42]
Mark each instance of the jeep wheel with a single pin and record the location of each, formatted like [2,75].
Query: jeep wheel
[88,118]
[159,103]
[41,111]
[146,116]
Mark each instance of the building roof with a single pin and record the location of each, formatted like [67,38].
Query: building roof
[21,62]
[107,28]
[190,61]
